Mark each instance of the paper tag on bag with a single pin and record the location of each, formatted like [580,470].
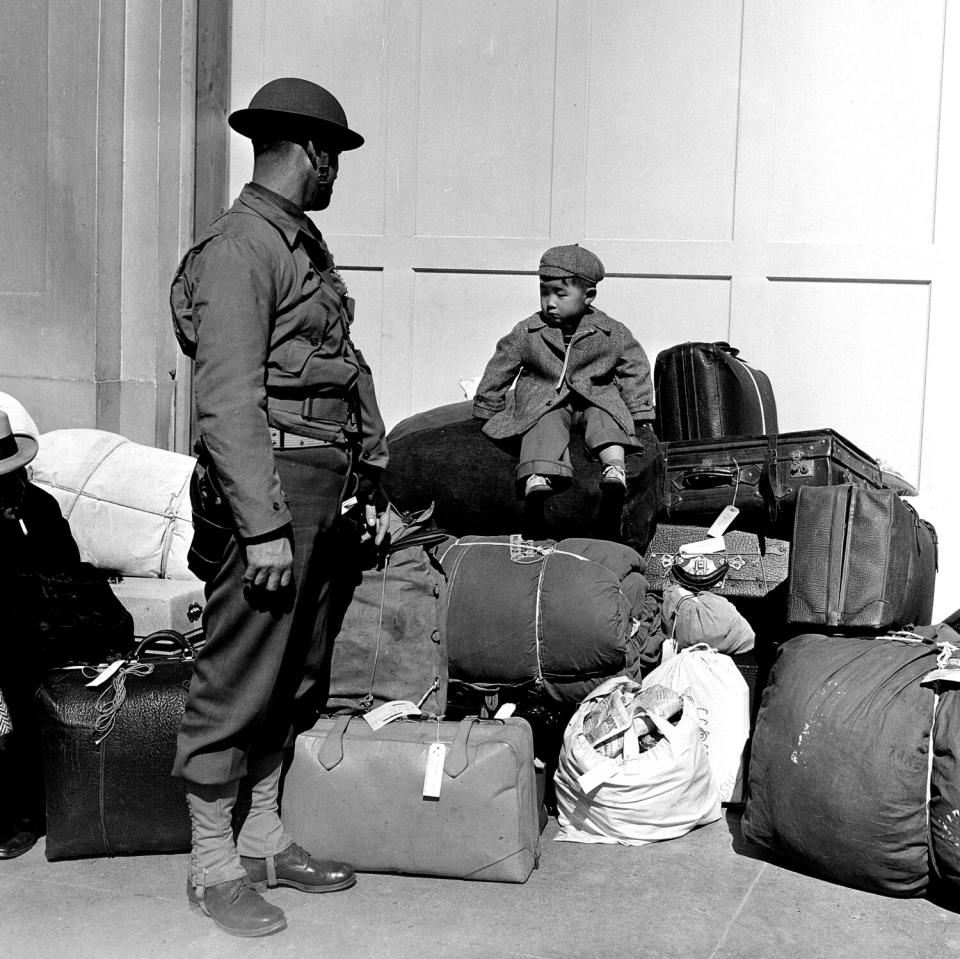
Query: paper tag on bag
[720,525]
[106,674]
[715,544]
[388,712]
[433,777]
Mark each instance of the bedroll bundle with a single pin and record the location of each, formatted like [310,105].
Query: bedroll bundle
[855,766]
[553,618]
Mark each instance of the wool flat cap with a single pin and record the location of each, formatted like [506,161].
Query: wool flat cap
[572,260]
[290,105]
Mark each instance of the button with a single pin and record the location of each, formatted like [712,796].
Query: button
[276,506]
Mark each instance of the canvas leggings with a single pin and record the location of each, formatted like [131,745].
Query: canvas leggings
[545,447]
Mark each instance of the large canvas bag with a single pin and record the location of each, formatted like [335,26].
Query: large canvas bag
[660,794]
[356,794]
[853,766]
[723,706]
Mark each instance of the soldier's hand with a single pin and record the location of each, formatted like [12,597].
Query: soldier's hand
[269,564]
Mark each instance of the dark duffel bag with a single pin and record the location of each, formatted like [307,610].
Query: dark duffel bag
[844,779]
[760,475]
[705,391]
[861,558]
[108,751]
[443,457]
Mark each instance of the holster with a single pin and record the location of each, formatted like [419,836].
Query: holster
[212,521]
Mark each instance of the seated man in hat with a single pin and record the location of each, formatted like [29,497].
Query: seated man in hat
[289,427]
[34,538]
[575,363]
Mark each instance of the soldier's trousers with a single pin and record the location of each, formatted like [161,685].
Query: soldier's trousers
[263,670]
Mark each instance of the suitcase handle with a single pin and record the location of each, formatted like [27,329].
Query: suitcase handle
[185,645]
[710,478]
[331,752]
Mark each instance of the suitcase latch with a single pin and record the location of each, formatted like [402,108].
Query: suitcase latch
[799,466]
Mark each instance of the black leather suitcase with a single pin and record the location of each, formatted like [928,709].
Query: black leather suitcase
[705,391]
[442,457]
[861,558]
[760,475]
[108,784]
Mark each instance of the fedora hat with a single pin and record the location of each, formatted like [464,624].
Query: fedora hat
[291,105]
[16,449]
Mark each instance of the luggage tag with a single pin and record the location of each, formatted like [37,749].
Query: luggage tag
[388,712]
[505,711]
[702,547]
[720,525]
[433,777]
[100,679]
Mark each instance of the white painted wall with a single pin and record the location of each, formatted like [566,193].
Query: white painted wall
[779,173]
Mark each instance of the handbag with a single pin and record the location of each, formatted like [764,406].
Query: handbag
[356,794]
[108,750]
[70,616]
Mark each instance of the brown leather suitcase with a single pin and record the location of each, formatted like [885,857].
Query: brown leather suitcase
[760,475]
[356,794]
[861,558]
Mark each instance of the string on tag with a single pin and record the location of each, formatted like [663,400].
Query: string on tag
[111,700]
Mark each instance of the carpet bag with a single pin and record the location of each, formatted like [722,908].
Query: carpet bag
[661,794]
[356,795]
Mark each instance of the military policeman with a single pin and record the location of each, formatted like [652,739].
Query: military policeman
[288,428]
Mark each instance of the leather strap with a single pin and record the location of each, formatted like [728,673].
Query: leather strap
[767,485]
[456,761]
[331,752]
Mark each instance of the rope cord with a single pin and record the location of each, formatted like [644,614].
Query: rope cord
[111,700]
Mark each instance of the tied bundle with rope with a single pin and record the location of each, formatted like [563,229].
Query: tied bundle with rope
[109,736]
[854,770]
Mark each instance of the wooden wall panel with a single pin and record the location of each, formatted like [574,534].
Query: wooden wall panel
[662,125]
[856,104]
[485,118]
[851,356]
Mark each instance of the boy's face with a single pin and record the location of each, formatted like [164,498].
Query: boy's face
[561,301]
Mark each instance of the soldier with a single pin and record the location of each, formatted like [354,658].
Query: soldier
[289,427]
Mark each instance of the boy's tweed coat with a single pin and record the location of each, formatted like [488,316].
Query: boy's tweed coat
[607,367]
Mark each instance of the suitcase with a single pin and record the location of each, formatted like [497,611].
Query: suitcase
[157,604]
[760,475]
[109,788]
[861,558]
[442,456]
[356,794]
[756,564]
[705,391]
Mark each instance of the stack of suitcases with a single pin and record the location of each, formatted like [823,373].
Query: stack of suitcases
[822,537]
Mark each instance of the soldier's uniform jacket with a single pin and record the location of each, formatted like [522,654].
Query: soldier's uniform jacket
[259,307]
[604,365]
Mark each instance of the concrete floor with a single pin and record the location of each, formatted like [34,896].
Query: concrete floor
[709,894]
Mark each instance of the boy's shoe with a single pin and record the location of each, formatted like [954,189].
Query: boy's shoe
[537,485]
[613,474]
[237,908]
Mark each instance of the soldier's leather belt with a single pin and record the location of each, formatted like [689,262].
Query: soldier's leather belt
[285,440]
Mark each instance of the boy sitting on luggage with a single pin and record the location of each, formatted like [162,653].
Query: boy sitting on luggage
[575,364]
